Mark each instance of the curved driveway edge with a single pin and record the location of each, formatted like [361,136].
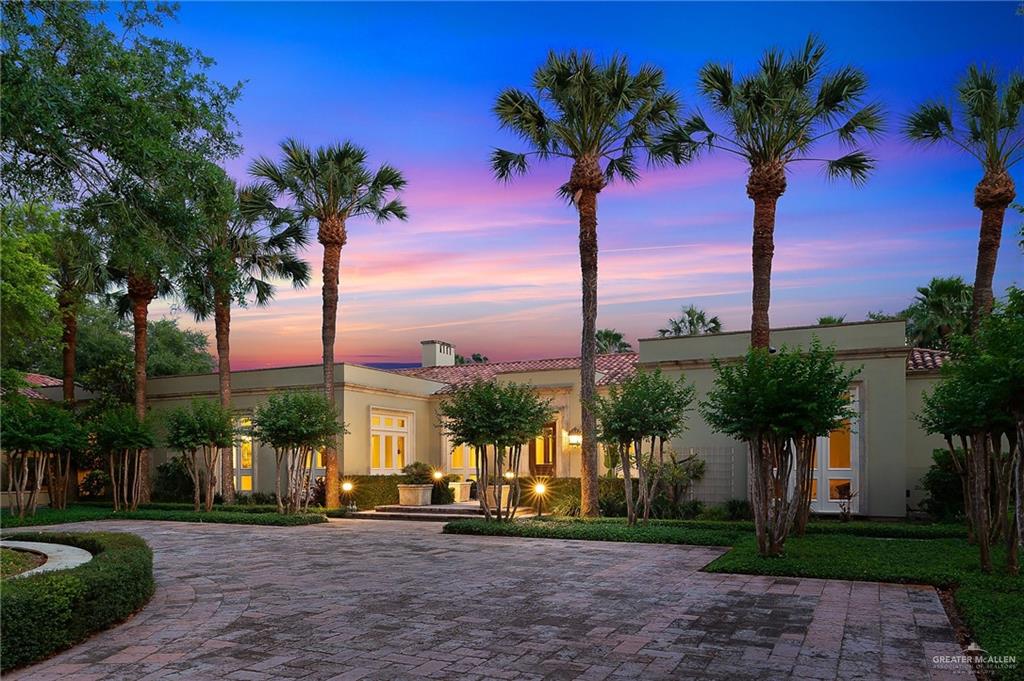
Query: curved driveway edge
[391,600]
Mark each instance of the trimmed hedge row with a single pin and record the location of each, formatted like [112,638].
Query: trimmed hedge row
[651,533]
[51,611]
[75,514]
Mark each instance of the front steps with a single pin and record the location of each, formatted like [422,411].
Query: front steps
[441,513]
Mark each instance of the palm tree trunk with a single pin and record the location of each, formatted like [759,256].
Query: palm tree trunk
[69,343]
[764,187]
[332,263]
[141,293]
[222,330]
[587,204]
[993,194]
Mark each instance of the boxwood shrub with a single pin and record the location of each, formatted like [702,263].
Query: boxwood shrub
[51,611]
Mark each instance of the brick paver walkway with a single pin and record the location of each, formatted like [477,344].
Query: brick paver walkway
[387,600]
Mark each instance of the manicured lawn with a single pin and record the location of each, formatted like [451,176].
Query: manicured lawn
[73,514]
[990,605]
[15,562]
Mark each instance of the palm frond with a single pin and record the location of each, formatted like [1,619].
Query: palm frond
[856,166]
[506,164]
[931,122]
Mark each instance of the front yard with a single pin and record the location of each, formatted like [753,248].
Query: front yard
[990,606]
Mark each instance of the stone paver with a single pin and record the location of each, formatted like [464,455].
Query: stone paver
[388,600]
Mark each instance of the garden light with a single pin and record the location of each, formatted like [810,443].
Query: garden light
[346,487]
[438,475]
[538,491]
[539,488]
[509,475]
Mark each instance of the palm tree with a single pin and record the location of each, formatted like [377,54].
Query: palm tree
[693,322]
[592,115]
[941,310]
[246,244]
[610,340]
[989,130]
[831,319]
[775,117]
[332,185]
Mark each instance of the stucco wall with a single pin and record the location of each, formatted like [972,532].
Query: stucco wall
[919,443]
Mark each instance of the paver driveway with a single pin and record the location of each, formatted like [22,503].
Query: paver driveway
[391,600]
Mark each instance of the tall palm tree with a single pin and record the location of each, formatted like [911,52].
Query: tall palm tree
[245,245]
[610,340]
[332,185]
[989,129]
[774,118]
[831,319]
[941,310]
[693,322]
[598,117]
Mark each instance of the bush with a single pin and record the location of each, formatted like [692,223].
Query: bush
[50,611]
[233,515]
[95,485]
[739,509]
[649,533]
[172,481]
[943,485]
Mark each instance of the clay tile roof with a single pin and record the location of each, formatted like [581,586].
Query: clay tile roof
[925,360]
[42,380]
[612,368]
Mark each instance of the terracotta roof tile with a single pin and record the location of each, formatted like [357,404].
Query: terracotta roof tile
[42,380]
[612,368]
[925,360]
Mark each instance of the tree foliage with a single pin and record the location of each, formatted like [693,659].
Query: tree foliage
[199,431]
[120,436]
[611,341]
[692,322]
[496,419]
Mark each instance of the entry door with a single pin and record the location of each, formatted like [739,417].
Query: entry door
[245,467]
[837,471]
[542,452]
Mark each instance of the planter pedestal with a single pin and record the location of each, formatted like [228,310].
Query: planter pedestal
[506,492]
[414,495]
[461,490]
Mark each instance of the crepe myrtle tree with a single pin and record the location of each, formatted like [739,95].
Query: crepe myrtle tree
[779,404]
[987,123]
[497,419]
[120,436]
[638,418]
[597,117]
[774,118]
[296,425]
[978,408]
[200,432]
[38,437]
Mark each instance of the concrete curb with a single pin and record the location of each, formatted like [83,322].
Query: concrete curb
[58,556]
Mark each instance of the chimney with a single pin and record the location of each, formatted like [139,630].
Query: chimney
[435,353]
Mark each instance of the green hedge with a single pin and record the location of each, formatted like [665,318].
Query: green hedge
[50,611]
[370,491]
[651,533]
[74,514]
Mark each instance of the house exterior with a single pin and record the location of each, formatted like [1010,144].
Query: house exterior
[392,415]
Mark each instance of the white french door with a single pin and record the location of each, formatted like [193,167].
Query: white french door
[836,479]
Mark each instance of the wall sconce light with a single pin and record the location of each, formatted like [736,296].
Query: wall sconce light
[575,437]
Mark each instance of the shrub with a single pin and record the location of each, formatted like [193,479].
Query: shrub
[944,486]
[418,473]
[738,509]
[653,532]
[50,611]
[172,481]
[95,485]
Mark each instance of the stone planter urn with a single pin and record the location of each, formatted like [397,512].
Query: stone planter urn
[506,492]
[461,490]
[414,495]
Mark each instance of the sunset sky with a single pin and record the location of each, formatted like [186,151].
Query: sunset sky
[493,268]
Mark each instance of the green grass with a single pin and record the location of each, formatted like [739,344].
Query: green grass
[990,605]
[15,562]
[74,514]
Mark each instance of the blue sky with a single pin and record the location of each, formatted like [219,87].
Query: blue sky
[493,268]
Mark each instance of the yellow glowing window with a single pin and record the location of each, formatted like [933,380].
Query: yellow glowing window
[457,457]
[375,455]
[375,420]
[472,457]
[839,446]
[838,489]
[388,421]
[388,449]
[814,489]
[320,459]
[401,423]
[246,485]
[246,454]
[400,451]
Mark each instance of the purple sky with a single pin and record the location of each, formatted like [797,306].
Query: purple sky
[494,268]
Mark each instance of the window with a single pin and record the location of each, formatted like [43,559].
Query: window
[390,441]
[245,464]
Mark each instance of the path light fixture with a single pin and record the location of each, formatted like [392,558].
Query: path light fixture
[509,475]
[575,437]
[346,488]
[438,476]
[539,490]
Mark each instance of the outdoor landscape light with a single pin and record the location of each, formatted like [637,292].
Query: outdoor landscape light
[438,475]
[509,475]
[538,492]
[346,487]
[539,488]
[575,437]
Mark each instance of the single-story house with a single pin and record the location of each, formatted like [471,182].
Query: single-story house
[392,415]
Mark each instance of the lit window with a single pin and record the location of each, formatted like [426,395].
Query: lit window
[390,442]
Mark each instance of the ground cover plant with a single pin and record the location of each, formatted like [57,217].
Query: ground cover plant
[15,562]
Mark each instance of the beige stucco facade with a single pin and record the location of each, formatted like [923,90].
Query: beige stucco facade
[889,451]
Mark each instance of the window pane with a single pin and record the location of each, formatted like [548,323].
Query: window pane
[839,447]
[388,421]
[320,459]
[375,420]
[400,451]
[457,457]
[375,452]
[246,483]
[401,423]
[472,457]
[838,489]
[246,447]
[388,450]
[814,489]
